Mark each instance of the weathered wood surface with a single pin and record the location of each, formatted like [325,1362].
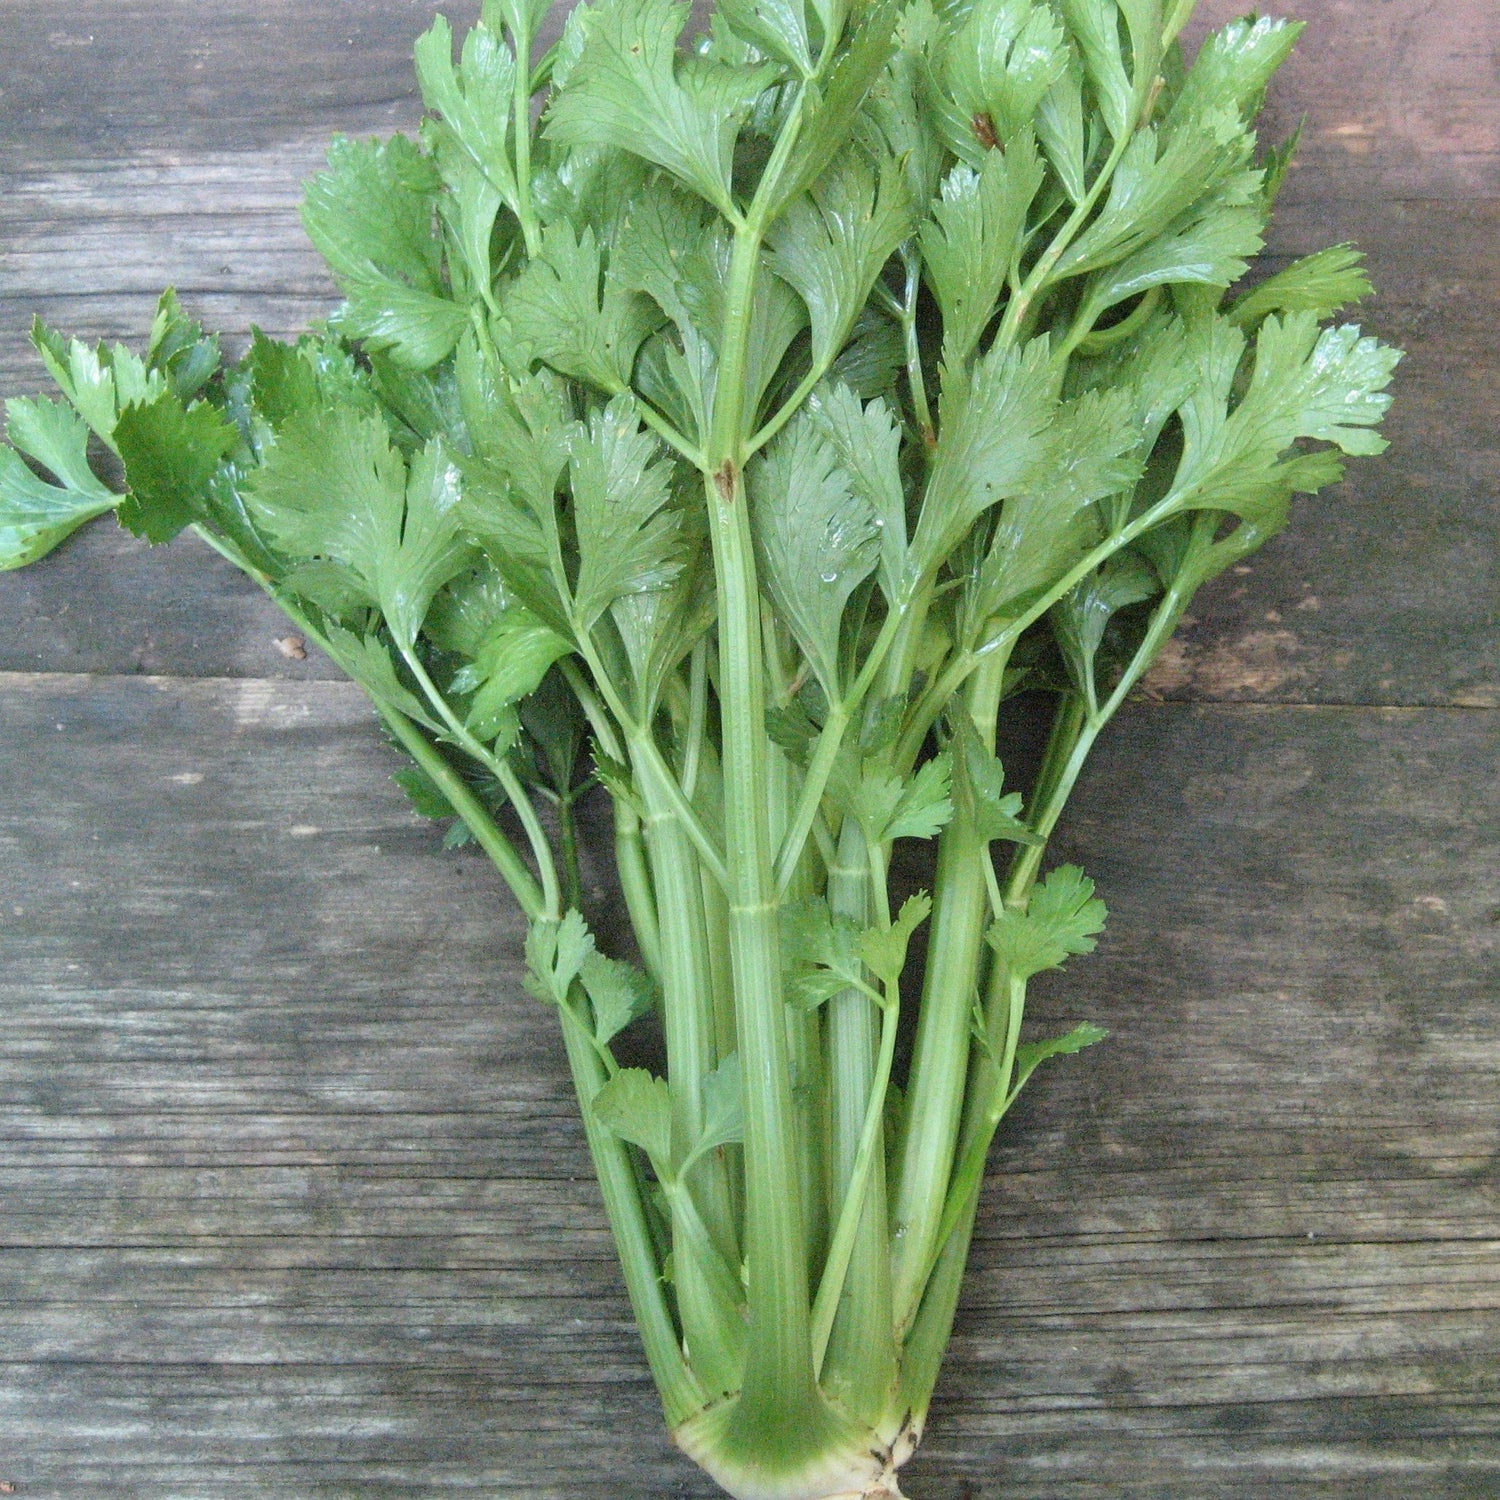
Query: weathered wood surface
[143,143]
[293,1198]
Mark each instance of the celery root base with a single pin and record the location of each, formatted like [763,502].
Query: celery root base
[858,1464]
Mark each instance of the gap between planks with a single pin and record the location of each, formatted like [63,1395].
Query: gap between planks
[250,688]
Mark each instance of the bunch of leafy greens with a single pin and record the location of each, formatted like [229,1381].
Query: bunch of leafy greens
[742,431]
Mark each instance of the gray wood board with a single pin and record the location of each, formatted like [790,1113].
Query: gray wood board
[1384,589]
[294,1201]
[1398,94]
[178,158]
[90,80]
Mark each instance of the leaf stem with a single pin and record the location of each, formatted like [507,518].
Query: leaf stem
[502,852]
[962,664]
[991,1092]
[1020,304]
[521,109]
[915,380]
[510,783]
[529,895]
[664,429]
[635,885]
[854,1347]
[643,744]
[688,1021]
[1083,337]
[681,1393]
[830,741]
[697,719]
[568,838]
[852,1209]
[779,1394]
[940,1056]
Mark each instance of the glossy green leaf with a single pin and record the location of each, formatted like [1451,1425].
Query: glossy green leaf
[1081,618]
[723,1107]
[371,217]
[1321,284]
[825,126]
[979,791]
[776,27]
[1062,917]
[36,516]
[867,445]
[52,434]
[556,953]
[334,487]
[629,90]
[1031,1055]
[367,659]
[473,98]
[507,665]
[1306,383]
[994,441]
[817,540]
[619,993]
[562,309]
[997,69]
[831,245]
[972,243]
[627,532]
[172,455]
[884,948]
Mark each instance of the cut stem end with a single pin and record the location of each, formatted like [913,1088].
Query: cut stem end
[852,1461]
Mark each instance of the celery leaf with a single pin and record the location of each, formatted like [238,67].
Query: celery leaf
[36,516]
[1320,283]
[637,1107]
[555,955]
[973,239]
[619,993]
[884,948]
[563,310]
[333,487]
[979,791]
[627,531]
[371,217]
[630,90]
[1062,917]
[816,539]
[867,444]
[723,1107]
[172,455]
[473,99]
[1031,1055]
[995,438]
[831,244]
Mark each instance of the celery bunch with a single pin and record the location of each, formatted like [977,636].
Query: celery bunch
[743,433]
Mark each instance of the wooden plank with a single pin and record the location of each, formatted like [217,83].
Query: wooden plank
[1384,591]
[104,79]
[1397,96]
[293,1199]
[1398,93]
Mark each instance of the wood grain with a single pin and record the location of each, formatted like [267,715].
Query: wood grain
[294,1201]
[98,80]
[1384,590]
